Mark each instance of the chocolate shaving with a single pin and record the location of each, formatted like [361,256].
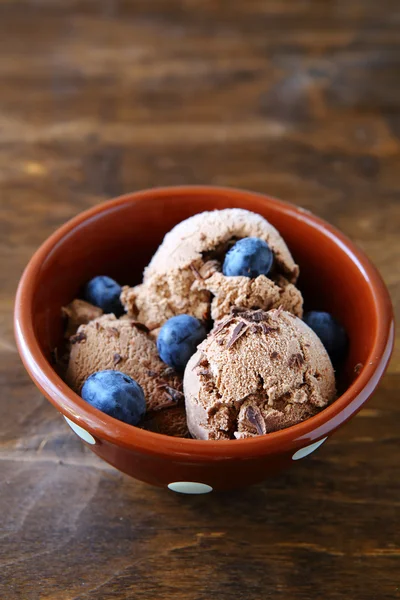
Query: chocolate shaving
[114,331]
[201,361]
[97,325]
[151,373]
[254,329]
[167,372]
[140,326]
[255,418]
[274,355]
[117,358]
[204,372]
[196,273]
[236,310]
[256,316]
[267,329]
[79,337]
[174,394]
[222,325]
[220,341]
[239,330]
[296,360]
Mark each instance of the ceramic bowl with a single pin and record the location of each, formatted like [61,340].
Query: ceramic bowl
[118,238]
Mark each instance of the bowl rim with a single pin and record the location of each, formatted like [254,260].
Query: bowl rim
[103,427]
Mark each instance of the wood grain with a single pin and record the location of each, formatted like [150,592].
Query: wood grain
[297,99]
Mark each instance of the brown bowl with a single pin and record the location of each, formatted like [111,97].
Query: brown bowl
[118,238]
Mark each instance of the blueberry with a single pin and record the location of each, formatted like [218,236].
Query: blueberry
[331,333]
[116,394]
[104,292]
[249,257]
[178,340]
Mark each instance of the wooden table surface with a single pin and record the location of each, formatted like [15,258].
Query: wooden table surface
[300,99]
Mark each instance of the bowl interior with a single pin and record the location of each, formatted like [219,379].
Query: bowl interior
[119,239]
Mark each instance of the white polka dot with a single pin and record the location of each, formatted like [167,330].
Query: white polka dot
[82,433]
[190,487]
[308,449]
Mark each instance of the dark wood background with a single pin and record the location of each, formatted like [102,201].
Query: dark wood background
[300,99]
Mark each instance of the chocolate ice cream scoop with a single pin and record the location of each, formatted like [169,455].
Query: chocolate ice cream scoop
[228,292]
[175,282]
[256,372]
[79,312]
[171,421]
[124,345]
